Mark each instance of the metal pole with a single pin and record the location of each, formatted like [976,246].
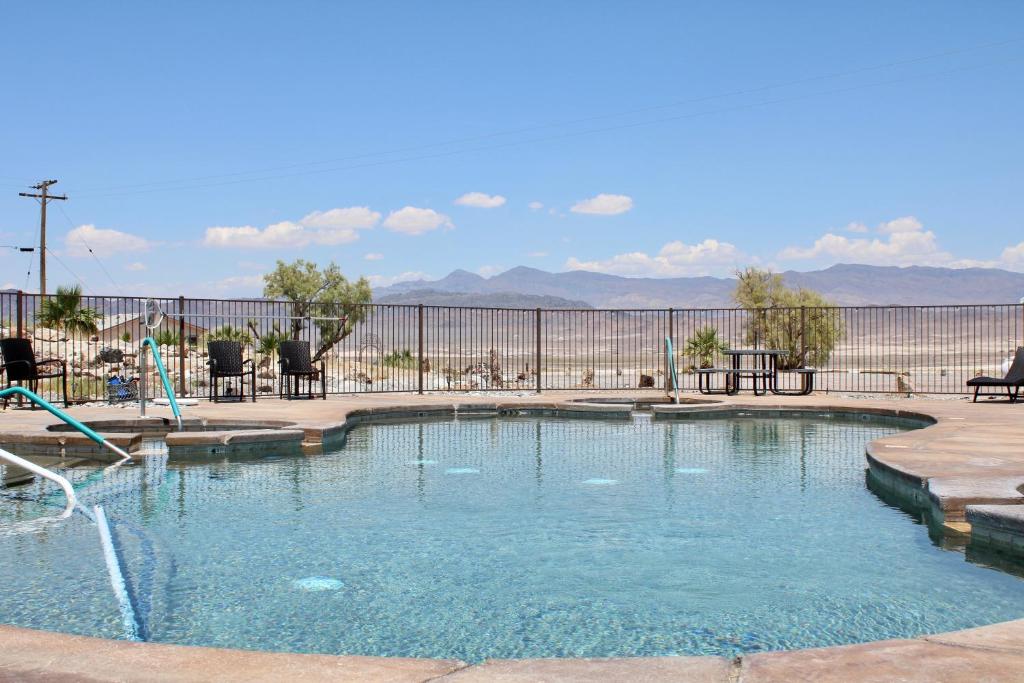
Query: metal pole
[181,346]
[142,380]
[537,360]
[21,314]
[669,349]
[419,353]
[42,244]
[21,326]
[63,483]
[803,336]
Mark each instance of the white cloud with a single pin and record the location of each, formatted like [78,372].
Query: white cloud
[905,224]
[604,205]
[103,242]
[857,227]
[535,206]
[903,242]
[387,280]
[237,284]
[373,256]
[412,220]
[336,226]
[537,254]
[480,200]
[1013,256]
[135,267]
[8,285]
[675,259]
[488,271]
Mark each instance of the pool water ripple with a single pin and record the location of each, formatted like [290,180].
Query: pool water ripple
[520,537]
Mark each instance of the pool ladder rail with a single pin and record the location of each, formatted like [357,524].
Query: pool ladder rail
[53,410]
[128,613]
[164,379]
[672,366]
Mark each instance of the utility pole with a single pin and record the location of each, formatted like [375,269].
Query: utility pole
[43,198]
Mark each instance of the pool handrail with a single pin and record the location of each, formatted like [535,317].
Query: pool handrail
[43,403]
[164,379]
[64,484]
[672,366]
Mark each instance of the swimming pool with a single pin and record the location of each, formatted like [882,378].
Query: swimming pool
[515,537]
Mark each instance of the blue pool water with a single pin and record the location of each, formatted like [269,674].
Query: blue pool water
[520,537]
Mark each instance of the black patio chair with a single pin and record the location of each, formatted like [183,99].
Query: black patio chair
[296,364]
[20,365]
[226,361]
[1014,379]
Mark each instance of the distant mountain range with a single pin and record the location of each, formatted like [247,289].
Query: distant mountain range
[849,285]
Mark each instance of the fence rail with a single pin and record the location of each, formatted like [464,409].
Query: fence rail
[415,348]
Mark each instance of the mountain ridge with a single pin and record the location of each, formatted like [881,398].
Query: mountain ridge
[843,284]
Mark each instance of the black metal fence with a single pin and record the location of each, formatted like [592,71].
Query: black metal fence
[409,348]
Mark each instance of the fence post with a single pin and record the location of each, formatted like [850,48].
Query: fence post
[181,346]
[21,314]
[803,336]
[668,360]
[537,357]
[419,353]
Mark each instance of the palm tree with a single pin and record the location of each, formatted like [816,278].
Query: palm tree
[703,346]
[64,311]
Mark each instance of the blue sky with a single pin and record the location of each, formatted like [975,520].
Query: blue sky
[199,142]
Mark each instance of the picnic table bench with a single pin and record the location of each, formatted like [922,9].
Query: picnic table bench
[763,374]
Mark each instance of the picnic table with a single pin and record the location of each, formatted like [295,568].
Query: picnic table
[762,371]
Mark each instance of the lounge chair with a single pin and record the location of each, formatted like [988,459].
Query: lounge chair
[226,361]
[296,363]
[1014,378]
[20,365]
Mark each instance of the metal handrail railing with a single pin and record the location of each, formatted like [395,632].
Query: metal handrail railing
[164,379]
[63,483]
[672,366]
[43,403]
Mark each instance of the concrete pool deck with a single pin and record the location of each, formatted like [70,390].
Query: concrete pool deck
[964,471]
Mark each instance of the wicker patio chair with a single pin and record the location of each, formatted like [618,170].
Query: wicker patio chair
[20,365]
[225,362]
[296,365]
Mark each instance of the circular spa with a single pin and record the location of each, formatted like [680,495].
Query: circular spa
[511,537]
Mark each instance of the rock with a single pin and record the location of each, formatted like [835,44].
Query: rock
[587,381]
[646,382]
[46,334]
[109,355]
[265,389]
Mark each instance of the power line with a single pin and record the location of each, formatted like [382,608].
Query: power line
[95,257]
[67,268]
[114,190]
[562,136]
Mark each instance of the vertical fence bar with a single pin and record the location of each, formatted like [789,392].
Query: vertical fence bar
[181,346]
[538,335]
[419,352]
[21,314]
[672,339]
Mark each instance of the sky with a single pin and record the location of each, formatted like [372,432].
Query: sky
[200,142]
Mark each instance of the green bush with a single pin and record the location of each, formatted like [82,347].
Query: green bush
[399,359]
[800,322]
[230,333]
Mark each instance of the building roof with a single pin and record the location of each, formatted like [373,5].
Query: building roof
[118,319]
